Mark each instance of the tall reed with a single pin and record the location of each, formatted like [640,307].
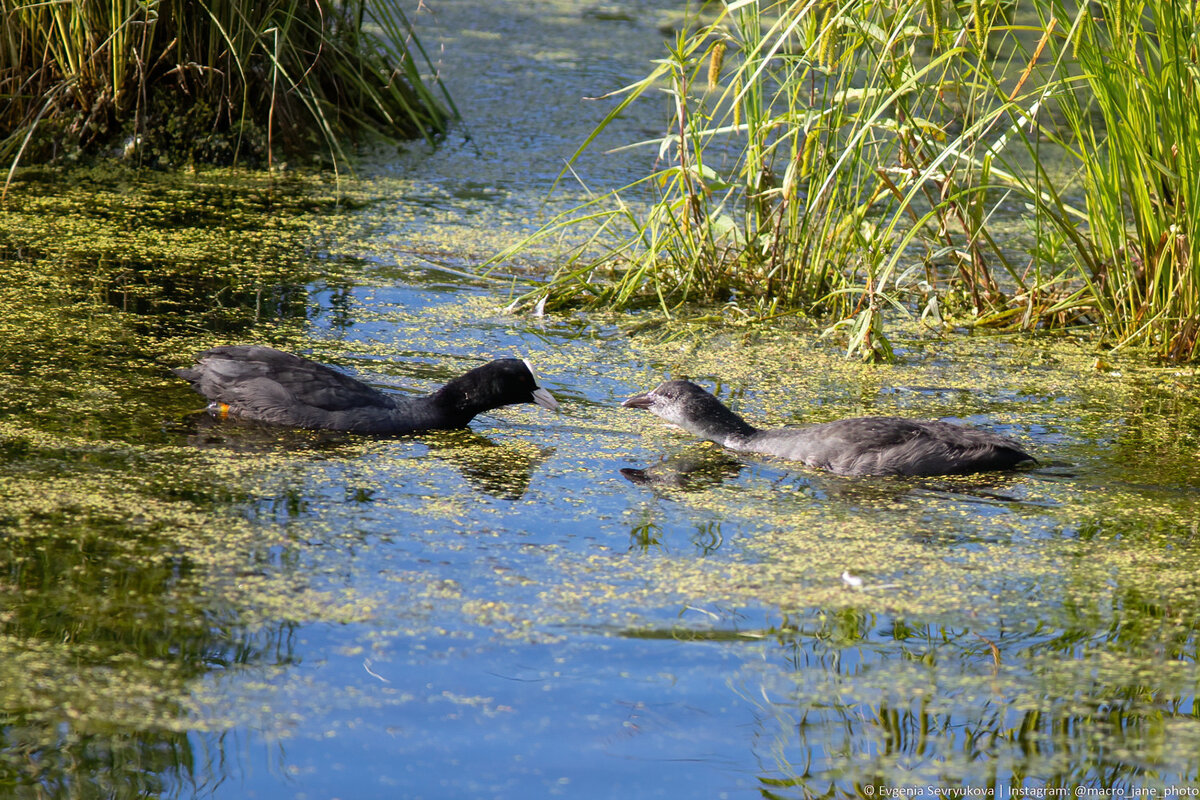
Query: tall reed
[1132,124]
[858,158]
[801,156]
[85,72]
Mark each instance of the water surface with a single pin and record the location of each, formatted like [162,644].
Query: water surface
[197,609]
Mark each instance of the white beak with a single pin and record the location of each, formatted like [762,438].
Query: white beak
[541,396]
[545,399]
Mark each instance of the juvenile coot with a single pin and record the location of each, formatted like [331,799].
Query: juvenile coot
[267,385]
[861,446]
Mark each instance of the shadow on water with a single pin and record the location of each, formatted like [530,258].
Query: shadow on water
[691,470]
[501,469]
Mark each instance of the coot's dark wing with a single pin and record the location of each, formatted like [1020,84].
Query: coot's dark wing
[274,386]
[894,446]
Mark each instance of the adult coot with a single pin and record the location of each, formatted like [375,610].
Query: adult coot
[267,385]
[860,446]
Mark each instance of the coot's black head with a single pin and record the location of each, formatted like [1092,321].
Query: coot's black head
[503,382]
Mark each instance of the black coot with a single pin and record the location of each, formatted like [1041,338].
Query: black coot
[266,385]
[861,446]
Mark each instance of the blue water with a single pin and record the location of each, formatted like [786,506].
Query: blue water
[584,717]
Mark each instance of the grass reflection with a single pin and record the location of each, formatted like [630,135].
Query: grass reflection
[906,707]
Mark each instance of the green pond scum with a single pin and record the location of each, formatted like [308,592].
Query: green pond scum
[175,587]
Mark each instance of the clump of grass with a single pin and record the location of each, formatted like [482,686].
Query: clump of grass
[859,158]
[1132,125]
[211,77]
[796,128]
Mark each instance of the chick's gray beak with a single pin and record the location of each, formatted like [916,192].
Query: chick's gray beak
[638,401]
[545,399]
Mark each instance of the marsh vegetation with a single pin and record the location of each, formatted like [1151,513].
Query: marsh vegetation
[222,81]
[991,164]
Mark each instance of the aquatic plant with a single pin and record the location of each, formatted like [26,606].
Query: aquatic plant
[214,81]
[808,160]
[1129,126]
[850,159]
[171,580]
